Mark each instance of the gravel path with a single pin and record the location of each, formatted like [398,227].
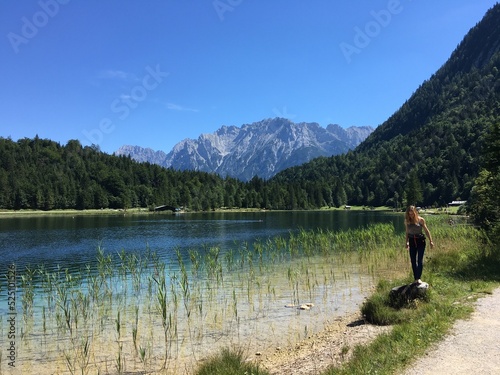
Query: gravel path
[472,347]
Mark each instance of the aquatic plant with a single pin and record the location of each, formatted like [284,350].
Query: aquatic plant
[27,292]
[163,308]
[134,328]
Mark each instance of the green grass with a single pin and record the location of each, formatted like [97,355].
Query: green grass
[229,362]
[416,325]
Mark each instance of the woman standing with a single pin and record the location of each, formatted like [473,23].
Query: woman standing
[415,241]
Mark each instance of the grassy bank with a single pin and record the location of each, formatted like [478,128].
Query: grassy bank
[460,269]
[132,211]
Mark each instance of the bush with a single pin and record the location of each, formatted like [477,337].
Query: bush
[381,309]
[229,362]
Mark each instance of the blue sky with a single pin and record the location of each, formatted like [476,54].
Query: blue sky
[152,73]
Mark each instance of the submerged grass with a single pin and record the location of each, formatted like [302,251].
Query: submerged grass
[203,300]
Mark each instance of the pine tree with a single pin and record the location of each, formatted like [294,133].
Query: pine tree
[413,189]
[484,205]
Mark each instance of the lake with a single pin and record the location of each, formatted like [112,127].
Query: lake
[71,241]
[138,292]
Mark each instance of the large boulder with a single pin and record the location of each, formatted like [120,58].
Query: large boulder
[401,295]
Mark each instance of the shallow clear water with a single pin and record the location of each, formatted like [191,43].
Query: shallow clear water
[242,303]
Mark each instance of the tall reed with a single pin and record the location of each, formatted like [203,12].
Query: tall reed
[163,308]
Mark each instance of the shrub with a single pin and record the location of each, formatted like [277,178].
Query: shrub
[229,362]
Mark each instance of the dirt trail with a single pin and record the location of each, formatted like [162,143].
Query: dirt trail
[472,346]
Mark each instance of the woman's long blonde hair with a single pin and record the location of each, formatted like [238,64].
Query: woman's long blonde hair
[409,219]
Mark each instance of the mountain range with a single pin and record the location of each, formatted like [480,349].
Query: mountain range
[261,149]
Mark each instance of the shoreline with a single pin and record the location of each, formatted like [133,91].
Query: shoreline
[147,211]
[331,346]
[117,211]
[74,212]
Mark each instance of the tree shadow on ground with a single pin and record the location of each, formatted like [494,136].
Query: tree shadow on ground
[484,267]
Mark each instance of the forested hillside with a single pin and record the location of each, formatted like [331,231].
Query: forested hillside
[42,174]
[428,151]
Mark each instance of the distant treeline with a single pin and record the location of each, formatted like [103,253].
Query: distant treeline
[42,174]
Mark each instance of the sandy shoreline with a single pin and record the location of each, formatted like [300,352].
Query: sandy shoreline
[471,346]
[330,347]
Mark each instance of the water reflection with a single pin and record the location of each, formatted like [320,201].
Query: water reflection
[70,241]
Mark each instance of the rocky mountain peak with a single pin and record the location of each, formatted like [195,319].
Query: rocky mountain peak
[262,148]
